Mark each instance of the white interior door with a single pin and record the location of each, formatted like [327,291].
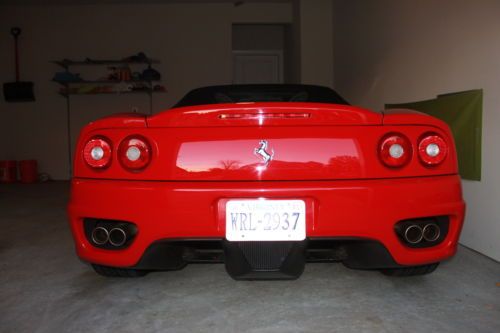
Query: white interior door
[257,67]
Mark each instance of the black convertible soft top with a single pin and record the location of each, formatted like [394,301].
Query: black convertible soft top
[261,93]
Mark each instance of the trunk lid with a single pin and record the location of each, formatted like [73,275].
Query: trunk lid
[264,141]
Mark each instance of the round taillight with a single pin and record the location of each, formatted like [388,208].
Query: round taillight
[97,152]
[432,149]
[134,153]
[395,150]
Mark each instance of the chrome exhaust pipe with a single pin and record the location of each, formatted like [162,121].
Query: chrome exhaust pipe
[117,237]
[100,235]
[431,232]
[414,234]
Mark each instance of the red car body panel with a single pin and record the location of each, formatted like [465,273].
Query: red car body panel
[324,154]
[367,209]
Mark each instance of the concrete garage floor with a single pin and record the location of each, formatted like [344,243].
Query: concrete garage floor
[45,288]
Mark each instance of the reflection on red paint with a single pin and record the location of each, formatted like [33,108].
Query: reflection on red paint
[303,157]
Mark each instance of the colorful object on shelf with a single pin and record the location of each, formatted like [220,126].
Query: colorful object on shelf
[159,88]
[139,57]
[125,74]
[150,74]
[8,171]
[122,87]
[136,76]
[28,171]
[66,76]
[86,89]
[121,73]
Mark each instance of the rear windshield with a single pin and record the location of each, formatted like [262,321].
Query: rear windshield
[260,93]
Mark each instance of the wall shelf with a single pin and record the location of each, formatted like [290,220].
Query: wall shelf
[65,63]
[149,92]
[67,83]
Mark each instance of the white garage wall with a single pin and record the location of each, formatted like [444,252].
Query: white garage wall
[316,46]
[192,41]
[391,51]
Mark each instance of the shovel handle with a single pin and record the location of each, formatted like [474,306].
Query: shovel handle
[15,32]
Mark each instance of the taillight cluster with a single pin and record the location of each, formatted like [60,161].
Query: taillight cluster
[134,153]
[97,152]
[396,150]
[432,149]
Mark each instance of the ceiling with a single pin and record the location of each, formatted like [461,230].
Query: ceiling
[107,2]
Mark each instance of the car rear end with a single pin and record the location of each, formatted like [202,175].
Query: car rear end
[265,188]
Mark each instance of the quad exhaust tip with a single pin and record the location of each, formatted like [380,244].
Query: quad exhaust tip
[413,234]
[117,237]
[100,235]
[431,232]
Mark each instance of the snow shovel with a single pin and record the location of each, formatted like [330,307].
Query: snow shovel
[18,91]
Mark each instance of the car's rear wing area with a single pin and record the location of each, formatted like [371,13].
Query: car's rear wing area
[265,114]
[411,117]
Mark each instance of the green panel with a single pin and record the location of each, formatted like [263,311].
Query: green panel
[463,112]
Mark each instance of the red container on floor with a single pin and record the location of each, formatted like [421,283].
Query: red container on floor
[28,170]
[8,171]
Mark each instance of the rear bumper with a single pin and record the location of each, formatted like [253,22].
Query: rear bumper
[360,209]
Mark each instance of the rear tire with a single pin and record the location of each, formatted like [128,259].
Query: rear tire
[118,272]
[411,270]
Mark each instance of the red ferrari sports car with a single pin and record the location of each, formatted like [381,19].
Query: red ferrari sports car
[265,178]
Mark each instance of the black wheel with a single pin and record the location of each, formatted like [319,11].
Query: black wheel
[411,270]
[118,272]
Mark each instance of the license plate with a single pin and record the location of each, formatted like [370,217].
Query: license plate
[265,220]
